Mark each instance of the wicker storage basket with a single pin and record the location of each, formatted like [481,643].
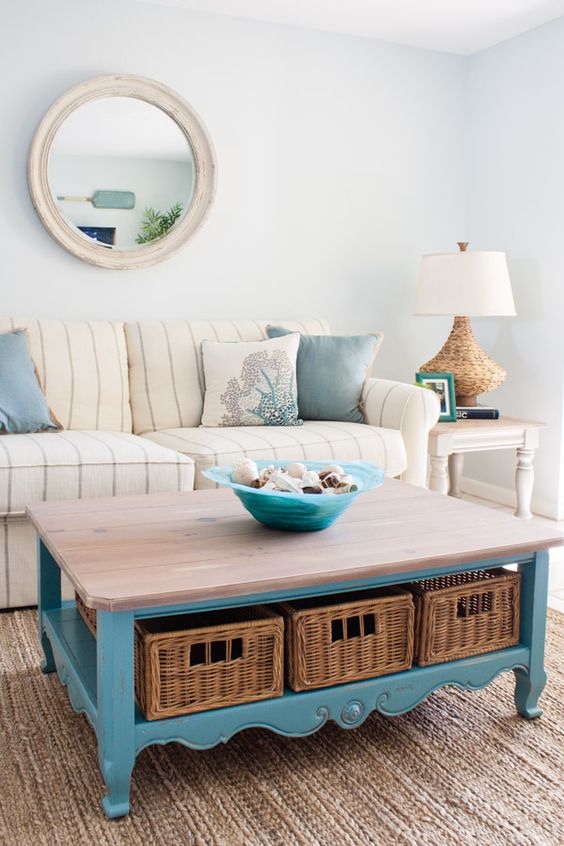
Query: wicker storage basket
[347,637]
[196,662]
[87,614]
[465,614]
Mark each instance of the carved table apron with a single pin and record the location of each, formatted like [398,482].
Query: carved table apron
[99,673]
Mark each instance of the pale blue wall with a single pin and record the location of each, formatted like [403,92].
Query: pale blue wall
[515,178]
[339,163]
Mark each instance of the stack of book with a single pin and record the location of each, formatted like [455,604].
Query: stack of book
[476,412]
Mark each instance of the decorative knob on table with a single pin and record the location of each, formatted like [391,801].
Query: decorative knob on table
[352,712]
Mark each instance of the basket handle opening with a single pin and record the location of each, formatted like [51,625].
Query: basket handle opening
[359,625]
[473,604]
[216,651]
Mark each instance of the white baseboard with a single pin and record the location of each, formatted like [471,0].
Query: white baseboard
[507,496]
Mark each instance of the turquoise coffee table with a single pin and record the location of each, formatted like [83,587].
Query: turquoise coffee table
[147,556]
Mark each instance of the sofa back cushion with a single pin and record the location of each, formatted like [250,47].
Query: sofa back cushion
[82,366]
[166,379]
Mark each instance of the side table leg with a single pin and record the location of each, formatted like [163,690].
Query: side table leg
[534,590]
[48,598]
[115,726]
[524,478]
[455,469]
[439,475]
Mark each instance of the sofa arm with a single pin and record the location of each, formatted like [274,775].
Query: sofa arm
[412,410]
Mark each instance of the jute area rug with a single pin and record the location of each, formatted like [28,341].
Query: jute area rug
[461,768]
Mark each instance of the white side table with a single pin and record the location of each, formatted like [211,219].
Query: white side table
[448,442]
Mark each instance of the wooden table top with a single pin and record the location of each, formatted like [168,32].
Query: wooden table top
[163,549]
[502,423]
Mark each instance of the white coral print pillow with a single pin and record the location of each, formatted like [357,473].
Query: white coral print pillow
[251,383]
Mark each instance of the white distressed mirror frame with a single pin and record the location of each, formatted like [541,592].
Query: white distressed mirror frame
[185,117]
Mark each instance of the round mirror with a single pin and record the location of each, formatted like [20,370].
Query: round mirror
[122,171]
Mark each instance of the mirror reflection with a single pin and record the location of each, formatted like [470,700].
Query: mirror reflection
[122,172]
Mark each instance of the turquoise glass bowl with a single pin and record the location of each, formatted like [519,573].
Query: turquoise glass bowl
[294,512]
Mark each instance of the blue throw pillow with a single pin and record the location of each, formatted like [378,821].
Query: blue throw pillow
[331,372]
[23,407]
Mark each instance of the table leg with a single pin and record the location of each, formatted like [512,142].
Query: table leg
[534,590]
[115,726]
[48,598]
[455,470]
[524,478]
[439,475]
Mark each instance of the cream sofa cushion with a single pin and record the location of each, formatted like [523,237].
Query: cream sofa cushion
[165,365]
[314,440]
[77,465]
[82,366]
[71,465]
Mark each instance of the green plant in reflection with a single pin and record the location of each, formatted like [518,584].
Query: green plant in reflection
[157,223]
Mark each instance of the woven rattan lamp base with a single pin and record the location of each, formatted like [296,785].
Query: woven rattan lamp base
[474,371]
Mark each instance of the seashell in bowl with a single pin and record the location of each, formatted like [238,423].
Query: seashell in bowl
[330,480]
[285,482]
[245,472]
[266,472]
[331,468]
[310,479]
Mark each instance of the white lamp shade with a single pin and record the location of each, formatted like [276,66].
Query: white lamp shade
[465,283]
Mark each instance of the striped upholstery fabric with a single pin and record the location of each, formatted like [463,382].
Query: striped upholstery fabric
[83,370]
[18,564]
[314,440]
[71,465]
[165,365]
[77,465]
[409,409]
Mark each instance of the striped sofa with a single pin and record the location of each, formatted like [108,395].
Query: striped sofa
[130,395]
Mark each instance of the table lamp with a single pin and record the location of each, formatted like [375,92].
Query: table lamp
[464,284]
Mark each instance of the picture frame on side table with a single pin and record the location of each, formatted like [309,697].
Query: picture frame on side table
[443,385]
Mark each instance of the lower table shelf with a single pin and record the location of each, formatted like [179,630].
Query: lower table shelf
[293,714]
